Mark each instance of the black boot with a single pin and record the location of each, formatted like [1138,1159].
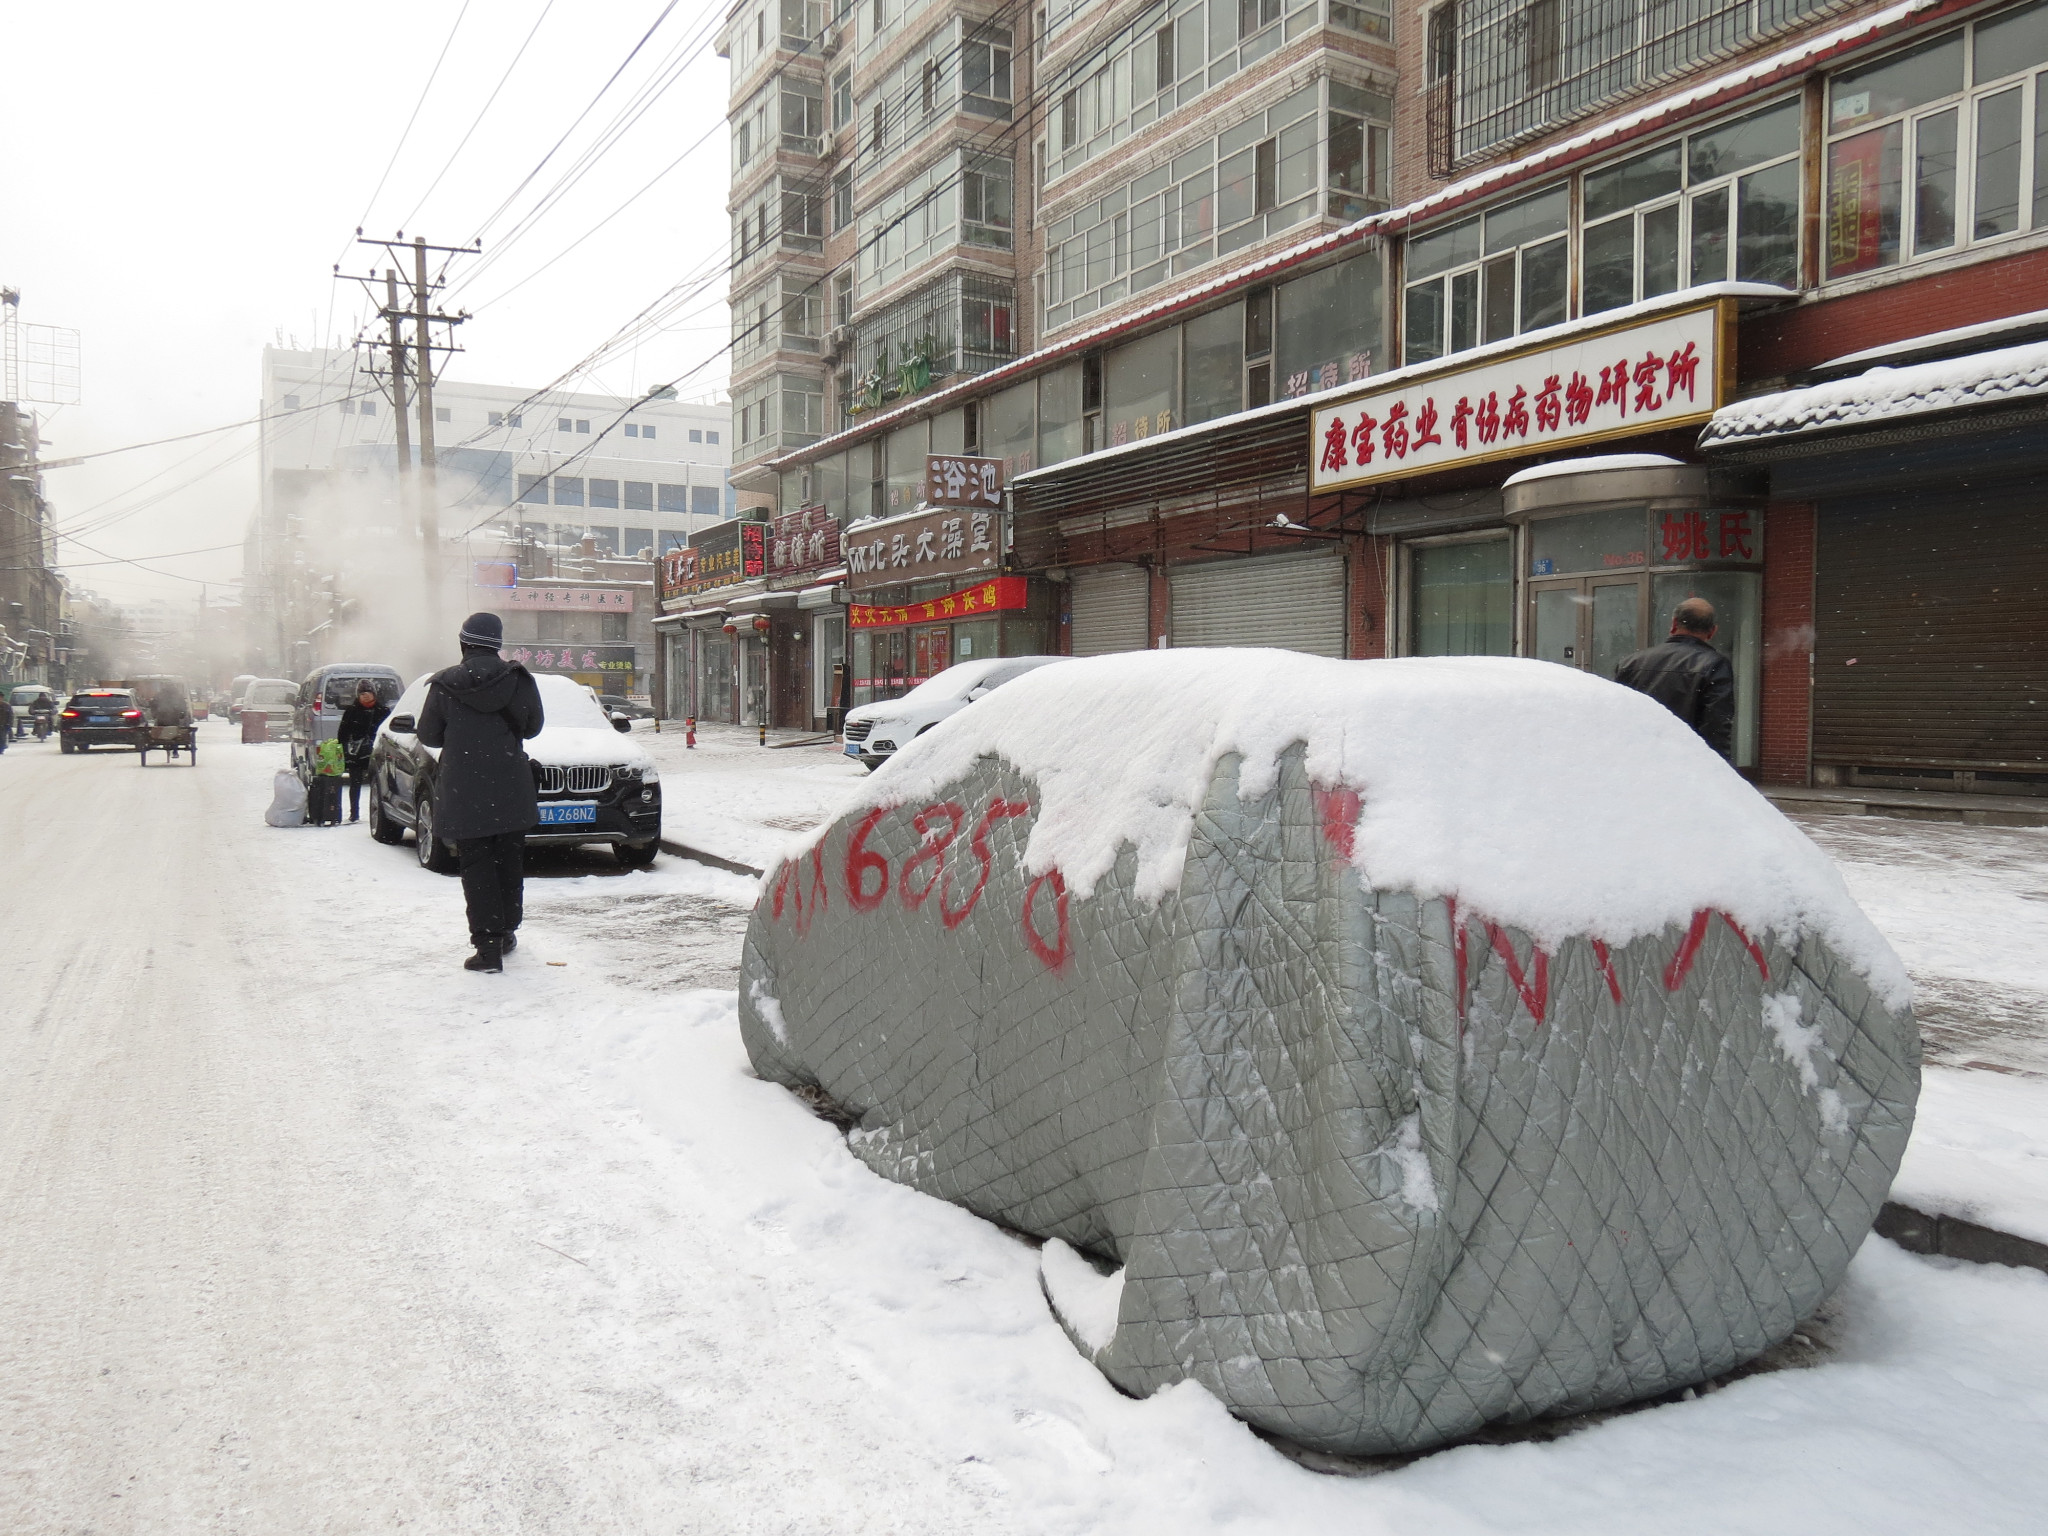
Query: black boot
[489,956]
[508,943]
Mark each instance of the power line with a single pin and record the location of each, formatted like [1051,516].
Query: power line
[482,113]
[399,147]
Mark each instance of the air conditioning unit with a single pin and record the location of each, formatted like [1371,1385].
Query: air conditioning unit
[838,339]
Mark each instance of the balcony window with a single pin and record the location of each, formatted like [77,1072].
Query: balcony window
[1939,147]
[1488,278]
[1721,204]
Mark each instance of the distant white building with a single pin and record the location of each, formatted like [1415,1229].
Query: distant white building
[551,468]
[561,465]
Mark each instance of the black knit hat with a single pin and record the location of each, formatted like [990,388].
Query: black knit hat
[485,630]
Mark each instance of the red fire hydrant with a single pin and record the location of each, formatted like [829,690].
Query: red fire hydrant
[690,732]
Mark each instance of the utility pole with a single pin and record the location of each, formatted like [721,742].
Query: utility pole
[420,311]
[430,505]
[398,384]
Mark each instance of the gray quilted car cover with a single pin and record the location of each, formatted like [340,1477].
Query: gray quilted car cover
[1378,1169]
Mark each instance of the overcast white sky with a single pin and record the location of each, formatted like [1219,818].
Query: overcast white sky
[182,179]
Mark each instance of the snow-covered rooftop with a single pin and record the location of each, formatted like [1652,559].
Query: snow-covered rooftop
[1933,341]
[1885,394]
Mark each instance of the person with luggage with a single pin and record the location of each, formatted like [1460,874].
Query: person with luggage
[357,735]
[330,768]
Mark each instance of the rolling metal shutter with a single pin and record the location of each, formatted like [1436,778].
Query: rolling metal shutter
[1111,606]
[1292,601]
[1928,647]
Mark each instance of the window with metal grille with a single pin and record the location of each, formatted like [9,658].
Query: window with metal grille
[1503,70]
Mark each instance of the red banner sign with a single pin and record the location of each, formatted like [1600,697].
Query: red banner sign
[999,594]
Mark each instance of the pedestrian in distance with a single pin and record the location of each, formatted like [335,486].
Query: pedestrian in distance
[357,735]
[1688,676]
[480,713]
[329,768]
[6,722]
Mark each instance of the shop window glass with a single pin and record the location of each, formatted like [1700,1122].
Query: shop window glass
[1738,618]
[904,468]
[971,642]
[1059,414]
[1897,84]
[1998,164]
[1141,387]
[1592,541]
[1009,428]
[1461,600]
[1214,367]
[1767,226]
[949,432]
[1327,326]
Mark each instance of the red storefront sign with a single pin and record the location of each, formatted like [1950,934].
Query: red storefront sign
[802,542]
[999,594]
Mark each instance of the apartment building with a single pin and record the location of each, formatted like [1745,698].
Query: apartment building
[561,476]
[1743,301]
[924,193]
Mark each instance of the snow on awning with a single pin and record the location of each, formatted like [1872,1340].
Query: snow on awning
[1884,395]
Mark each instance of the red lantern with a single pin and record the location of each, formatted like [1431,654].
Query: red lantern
[732,626]
[761,623]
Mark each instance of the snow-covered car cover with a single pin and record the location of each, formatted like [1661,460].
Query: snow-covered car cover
[1431,1042]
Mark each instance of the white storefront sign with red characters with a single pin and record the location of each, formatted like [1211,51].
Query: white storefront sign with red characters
[1646,377]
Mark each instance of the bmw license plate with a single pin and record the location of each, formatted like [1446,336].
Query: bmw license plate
[569,813]
[99,719]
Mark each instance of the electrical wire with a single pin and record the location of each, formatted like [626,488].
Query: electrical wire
[399,148]
[482,113]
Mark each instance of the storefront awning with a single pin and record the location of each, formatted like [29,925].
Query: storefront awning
[2012,378]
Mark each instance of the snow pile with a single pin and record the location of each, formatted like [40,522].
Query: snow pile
[1536,795]
[1886,394]
[1980,1151]
[1086,1302]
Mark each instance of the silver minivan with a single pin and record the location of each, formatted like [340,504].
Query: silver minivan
[324,694]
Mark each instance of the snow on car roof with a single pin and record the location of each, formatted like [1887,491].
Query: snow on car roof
[1539,795]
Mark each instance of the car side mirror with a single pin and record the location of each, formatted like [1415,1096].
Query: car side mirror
[404,725]
[978,692]
[622,723]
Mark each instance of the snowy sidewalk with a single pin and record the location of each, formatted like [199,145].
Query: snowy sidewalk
[353,1241]
[1966,908]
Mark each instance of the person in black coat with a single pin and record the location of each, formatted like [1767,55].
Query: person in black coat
[357,735]
[480,713]
[1688,676]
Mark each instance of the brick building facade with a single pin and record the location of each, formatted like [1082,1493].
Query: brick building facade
[1827,182]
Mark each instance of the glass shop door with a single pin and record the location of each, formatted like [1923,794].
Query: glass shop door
[1588,622]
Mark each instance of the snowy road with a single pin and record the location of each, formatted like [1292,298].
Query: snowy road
[308,1231]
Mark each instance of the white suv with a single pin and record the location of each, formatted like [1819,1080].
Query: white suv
[874,732]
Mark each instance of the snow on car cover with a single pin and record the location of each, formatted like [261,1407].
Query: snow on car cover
[1431,1042]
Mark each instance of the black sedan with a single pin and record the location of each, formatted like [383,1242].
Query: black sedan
[101,717]
[594,783]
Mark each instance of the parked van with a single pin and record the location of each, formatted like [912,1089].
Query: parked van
[324,694]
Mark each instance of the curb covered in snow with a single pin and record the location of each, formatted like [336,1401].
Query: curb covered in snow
[1951,1237]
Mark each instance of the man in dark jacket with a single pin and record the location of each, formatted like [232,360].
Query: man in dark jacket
[480,713]
[357,735]
[1688,676]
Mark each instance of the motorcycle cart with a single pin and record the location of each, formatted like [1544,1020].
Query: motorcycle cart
[170,740]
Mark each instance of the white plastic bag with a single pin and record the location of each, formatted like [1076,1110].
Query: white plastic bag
[288,800]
